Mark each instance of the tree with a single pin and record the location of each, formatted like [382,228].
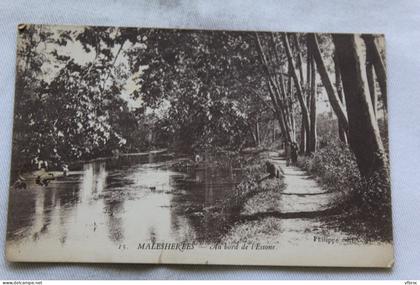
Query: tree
[299,91]
[370,73]
[364,135]
[374,56]
[312,142]
[342,132]
[31,130]
[332,96]
[274,90]
[198,81]
[67,110]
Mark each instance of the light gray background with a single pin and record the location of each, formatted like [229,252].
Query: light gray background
[399,20]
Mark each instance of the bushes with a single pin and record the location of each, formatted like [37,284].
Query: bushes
[335,165]
[374,200]
[368,211]
[336,168]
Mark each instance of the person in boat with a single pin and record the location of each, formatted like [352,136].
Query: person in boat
[65,169]
[40,163]
[44,179]
[197,158]
[115,153]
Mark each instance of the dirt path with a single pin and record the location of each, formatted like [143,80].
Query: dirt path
[297,180]
[293,214]
[301,195]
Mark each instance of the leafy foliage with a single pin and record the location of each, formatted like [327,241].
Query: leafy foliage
[65,109]
[368,212]
[336,166]
[198,78]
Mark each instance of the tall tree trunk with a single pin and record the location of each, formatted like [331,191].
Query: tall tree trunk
[308,98]
[371,82]
[251,131]
[257,133]
[293,125]
[299,59]
[342,132]
[332,97]
[302,147]
[364,137]
[291,109]
[299,92]
[280,82]
[373,53]
[274,131]
[273,89]
[312,92]
[287,106]
[279,113]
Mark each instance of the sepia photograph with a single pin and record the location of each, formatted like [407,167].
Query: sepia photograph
[149,145]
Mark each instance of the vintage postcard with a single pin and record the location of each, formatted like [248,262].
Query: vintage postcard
[146,145]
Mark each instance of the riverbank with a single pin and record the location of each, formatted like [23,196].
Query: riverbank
[76,167]
[298,210]
[245,171]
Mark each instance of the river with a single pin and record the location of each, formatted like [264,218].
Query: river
[116,202]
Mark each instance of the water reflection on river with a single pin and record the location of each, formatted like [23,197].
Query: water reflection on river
[115,202]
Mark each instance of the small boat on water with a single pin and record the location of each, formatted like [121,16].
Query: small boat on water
[44,178]
[56,174]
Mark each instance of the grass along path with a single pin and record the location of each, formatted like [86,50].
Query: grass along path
[301,195]
[292,214]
